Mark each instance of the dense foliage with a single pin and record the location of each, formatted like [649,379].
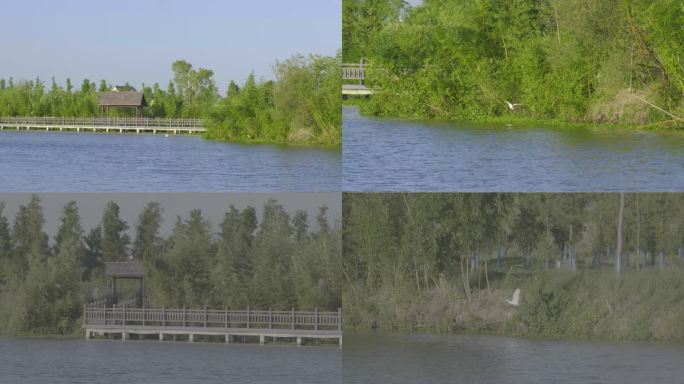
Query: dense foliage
[443,261]
[300,106]
[574,60]
[273,262]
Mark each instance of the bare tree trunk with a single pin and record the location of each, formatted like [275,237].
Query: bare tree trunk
[638,249]
[662,260]
[464,276]
[618,251]
[415,268]
[487,278]
[425,274]
[498,257]
[479,275]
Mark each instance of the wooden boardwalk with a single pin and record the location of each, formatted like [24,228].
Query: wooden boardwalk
[226,324]
[104,124]
[355,90]
[355,72]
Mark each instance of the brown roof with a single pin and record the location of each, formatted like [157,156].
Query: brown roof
[132,269]
[122,99]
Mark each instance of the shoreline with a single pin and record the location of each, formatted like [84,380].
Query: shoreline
[408,333]
[527,122]
[337,147]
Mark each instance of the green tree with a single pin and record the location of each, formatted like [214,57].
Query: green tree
[30,243]
[148,243]
[115,240]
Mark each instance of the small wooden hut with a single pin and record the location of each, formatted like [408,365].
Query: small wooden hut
[126,270]
[108,100]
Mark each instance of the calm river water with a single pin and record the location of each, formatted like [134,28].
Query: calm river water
[402,358]
[80,361]
[87,162]
[395,155]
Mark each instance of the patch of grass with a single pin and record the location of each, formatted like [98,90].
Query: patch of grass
[643,305]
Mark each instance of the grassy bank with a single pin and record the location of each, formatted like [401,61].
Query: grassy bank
[608,62]
[76,334]
[281,143]
[646,305]
[524,121]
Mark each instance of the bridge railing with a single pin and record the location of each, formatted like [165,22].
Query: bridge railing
[353,71]
[311,320]
[104,121]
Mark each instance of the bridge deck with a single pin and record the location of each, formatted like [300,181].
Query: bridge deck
[269,324]
[97,124]
[356,90]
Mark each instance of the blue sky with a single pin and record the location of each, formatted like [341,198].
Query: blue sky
[137,40]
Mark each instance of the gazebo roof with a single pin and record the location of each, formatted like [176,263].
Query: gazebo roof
[125,269]
[122,99]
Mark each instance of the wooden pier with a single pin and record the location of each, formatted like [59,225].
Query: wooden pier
[104,124]
[355,72]
[224,324]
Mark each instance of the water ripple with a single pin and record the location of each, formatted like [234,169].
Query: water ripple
[395,155]
[86,162]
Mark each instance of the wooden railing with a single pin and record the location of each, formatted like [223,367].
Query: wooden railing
[101,302]
[353,71]
[105,302]
[310,320]
[104,121]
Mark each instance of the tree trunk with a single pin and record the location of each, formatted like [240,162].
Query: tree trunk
[618,251]
[662,261]
[498,257]
[638,247]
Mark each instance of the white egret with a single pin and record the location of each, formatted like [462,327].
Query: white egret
[512,106]
[515,300]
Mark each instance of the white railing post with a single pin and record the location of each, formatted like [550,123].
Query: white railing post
[293,318]
[248,317]
[316,319]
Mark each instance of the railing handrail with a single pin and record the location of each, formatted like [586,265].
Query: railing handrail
[106,121]
[353,71]
[213,318]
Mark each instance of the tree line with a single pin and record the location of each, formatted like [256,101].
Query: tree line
[613,61]
[417,238]
[300,106]
[277,262]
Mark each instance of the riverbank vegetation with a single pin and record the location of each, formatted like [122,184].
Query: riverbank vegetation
[276,262]
[301,106]
[448,262]
[615,61]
